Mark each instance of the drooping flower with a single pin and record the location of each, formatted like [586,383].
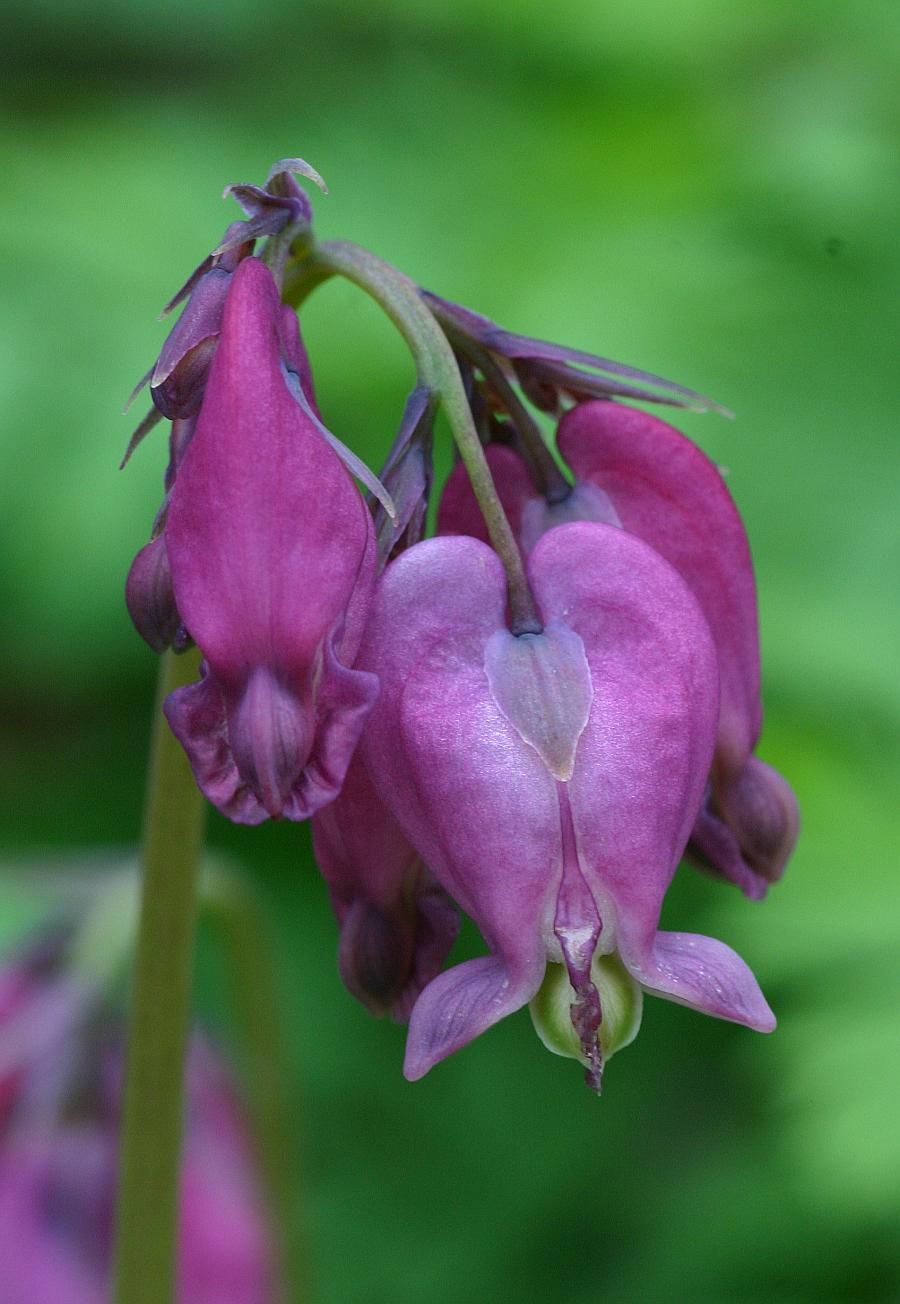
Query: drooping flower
[550,781]
[271,551]
[397,925]
[637,472]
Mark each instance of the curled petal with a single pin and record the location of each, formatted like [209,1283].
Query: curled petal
[704,974]
[461,1004]
[275,750]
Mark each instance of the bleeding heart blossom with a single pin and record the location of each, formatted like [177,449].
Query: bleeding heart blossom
[397,924]
[635,471]
[271,551]
[550,781]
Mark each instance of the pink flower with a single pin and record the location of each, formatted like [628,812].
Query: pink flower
[549,781]
[271,551]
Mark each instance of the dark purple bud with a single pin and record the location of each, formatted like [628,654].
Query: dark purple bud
[375,955]
[748,829]
[397,924]
[150,598]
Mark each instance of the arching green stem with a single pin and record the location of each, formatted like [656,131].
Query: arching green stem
[437,369]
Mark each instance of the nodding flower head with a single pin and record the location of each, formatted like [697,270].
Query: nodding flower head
[271,551]
[550,781]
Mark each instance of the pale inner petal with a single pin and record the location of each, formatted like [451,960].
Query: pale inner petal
[542,685]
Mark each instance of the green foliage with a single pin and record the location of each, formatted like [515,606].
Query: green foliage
[708,190]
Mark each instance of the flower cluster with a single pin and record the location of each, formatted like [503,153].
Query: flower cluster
[61,1069]
[532,716]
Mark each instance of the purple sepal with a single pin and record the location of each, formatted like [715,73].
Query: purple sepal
[550,366]
[179,377]
[271,208]
[407,476]
[150,598]
[153,417]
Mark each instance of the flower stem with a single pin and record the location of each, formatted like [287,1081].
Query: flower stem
[437,370]
[254,997]
[547,476]
[147,1214]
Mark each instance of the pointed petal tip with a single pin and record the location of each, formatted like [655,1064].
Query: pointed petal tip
[300,168]
[460,1004]
[706,975]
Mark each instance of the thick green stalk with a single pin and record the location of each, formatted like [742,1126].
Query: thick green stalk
[437,370]
[147,1212]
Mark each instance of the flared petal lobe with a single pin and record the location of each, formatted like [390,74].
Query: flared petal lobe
[269,544]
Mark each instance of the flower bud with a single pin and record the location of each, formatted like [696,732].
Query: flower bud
[150,598]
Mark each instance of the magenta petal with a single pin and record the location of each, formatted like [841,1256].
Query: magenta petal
[704,974]
[643,758]
[458,510]
[459,1005]
[266,532]
[668,493]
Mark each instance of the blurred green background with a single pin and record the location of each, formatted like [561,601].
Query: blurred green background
[709,190]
